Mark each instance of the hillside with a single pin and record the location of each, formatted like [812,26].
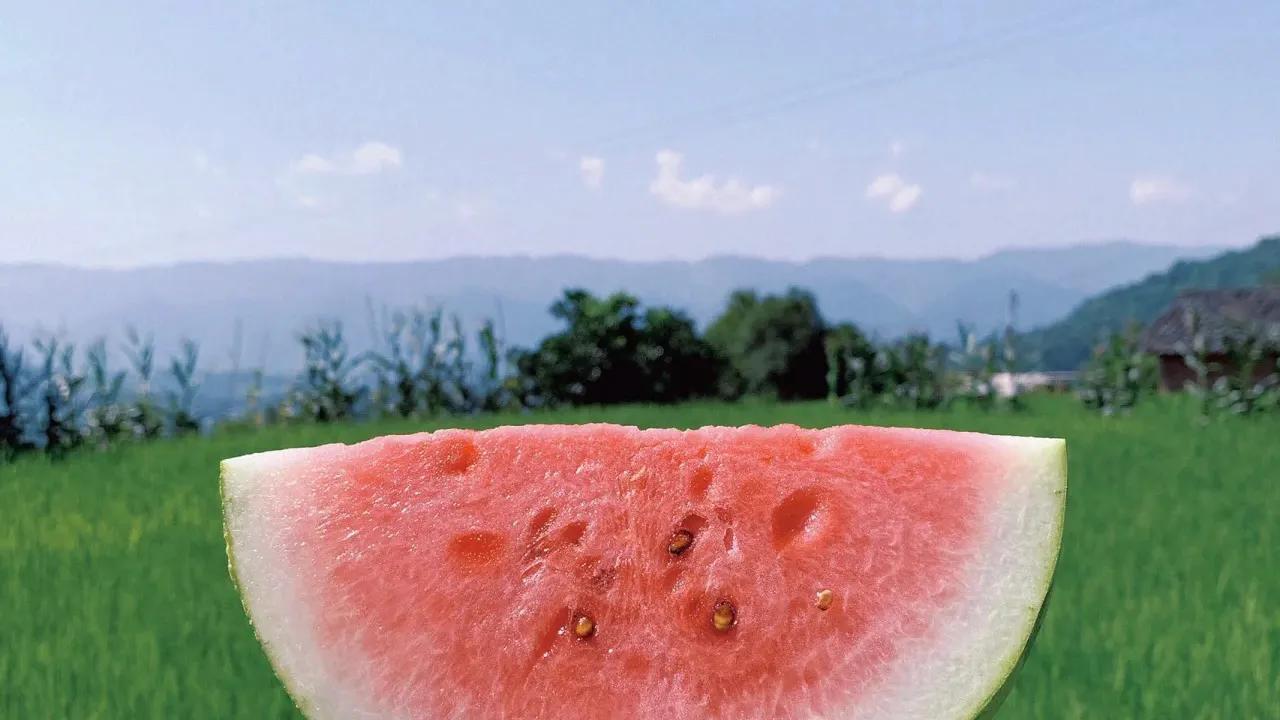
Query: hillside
[1066,343]
[270,300]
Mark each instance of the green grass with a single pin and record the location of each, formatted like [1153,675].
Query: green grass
[116,601]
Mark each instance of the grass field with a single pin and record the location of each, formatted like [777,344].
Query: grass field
[116,601]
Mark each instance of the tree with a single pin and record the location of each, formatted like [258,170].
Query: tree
[60,397]
[107,419]
[918,369]
[13,392]
[773,345]
[145,417]
[612,352]
[182,369]
[326,391]
[849,355]
[490,390]
[1118,374]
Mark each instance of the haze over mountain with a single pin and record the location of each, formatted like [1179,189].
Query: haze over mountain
[271,300]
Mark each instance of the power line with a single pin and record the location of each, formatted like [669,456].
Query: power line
[1046,27]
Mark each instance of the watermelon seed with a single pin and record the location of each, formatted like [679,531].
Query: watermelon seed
[583,626]
[825,598]
[724,616]
[680,542]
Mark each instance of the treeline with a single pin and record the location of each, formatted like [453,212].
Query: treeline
[55,397]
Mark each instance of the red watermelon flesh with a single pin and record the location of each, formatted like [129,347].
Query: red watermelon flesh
[607,572]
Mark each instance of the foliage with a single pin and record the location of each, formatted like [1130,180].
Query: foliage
[1241,379]
[773,345]
[182,370]
[611,351]
[909,373]
[1119,374]
[60,387]
[1065,344]
[493,388]
[917,371]
[848,354]
[326,391]
[1249,380]
[107,419]
[425,369]
[399,368]
[145,417]
[980,362]
[14,388]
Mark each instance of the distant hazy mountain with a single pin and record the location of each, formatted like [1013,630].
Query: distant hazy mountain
[270,300]
[1065,344]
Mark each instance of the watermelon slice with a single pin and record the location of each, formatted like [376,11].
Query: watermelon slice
[600,571]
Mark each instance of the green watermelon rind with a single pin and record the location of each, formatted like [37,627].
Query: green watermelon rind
[984,710]
[988,708]
[277,667]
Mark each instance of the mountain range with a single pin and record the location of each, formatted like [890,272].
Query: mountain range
[247,313]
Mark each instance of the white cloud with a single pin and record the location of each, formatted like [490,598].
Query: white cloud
[896,194]
[592,170]
[990,181]
[730,197]
[370,158]
[374,157]
[314,165]
[1149,189]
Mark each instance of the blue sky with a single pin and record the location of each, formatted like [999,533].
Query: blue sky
[147,133]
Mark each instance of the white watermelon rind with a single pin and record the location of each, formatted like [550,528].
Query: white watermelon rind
[299,700]
[1052,461]
[989,707]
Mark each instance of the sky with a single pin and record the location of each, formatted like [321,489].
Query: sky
[144,133]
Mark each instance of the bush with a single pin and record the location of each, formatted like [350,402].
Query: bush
[1118,375]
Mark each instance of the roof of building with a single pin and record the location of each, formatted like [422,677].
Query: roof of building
[1219,314]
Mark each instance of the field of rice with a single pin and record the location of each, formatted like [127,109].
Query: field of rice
[117,604]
